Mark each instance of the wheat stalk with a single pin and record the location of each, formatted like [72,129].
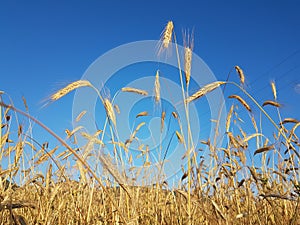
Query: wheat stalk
[132,136]
[117,108]
[179,137]
[187,64]
[162,121]
[157,88]
[274,89]
[269,102]
[109,111]
[80,115]
[292,132]
[111,168]
[264,149]
[241,74]
[203,91]
[45,156]
[175,115]
[242,101]
[70,87]
[167,35]
[144,113]
[233,141]
[188,42]
[228,120]
[135,90]
[289,120]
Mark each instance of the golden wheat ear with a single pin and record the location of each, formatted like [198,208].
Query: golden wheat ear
[157,88]
[203,91]
[240,73]
[187,64]
[144,113]
[70,87]
[110,111]
[273,86]
[166,37]
[135,90]
[188,42]
[273,103]
[242,101]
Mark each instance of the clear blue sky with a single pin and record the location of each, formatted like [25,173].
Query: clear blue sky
[44,45]
[47,44]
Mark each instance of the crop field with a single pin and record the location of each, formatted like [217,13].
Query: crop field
[251,177]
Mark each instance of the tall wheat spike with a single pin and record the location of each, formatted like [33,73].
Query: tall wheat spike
[157,87]
[228,120]
[187,64]
[241,74]
[188,42]
[273,86]
[167,35]
[109,111]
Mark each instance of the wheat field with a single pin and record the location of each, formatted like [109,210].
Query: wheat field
[232,191]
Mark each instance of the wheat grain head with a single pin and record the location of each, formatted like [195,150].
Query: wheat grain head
[240,73]
[70,87]
[135,90]
[203,91]
[109,111]
[157,87]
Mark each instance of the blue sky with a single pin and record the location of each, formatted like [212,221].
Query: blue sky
[44,45]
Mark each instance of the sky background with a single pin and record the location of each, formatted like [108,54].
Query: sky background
[45,45]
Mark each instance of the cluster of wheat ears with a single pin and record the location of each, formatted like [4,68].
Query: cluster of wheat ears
[231,190]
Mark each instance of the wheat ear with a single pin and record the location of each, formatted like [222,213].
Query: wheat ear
[135,90]
[157,88]
[203,91]
[109,111]
[167,36]
[70,87]
[242,101]
[274,89]
[241,74]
